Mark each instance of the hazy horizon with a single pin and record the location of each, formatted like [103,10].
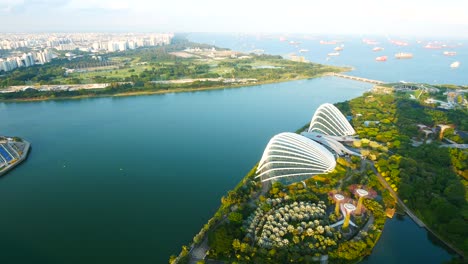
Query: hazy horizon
[340,17]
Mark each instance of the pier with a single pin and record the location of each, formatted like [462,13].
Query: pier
[355,78]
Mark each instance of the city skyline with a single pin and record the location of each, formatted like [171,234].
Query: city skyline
[419,18]
[41,45]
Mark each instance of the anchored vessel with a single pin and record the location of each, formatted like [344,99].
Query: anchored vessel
[399,43]
[450,53]
[370,42]
[455,65]
[432,46]
[323,42]
[334,54]
[12,152]
[381,58]
[403,55]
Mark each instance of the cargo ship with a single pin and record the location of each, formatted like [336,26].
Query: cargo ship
[381,58]
[432,46]
[399,43]
[450,53]
[303,50]
[370,42]
[333,54]
[292,42]
[377,49]
[455,65]
[333,42]
[403,55]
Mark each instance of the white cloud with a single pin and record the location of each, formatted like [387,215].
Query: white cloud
[101,4]
[338,16]
[9,5]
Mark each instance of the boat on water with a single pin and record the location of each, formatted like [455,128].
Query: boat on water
[381,58]
[377,49]
[323,42]
[333,54]
[338,49]
[455,65]
[404,55]
[292,42]
[432,46]
[370,42]
[303,50]
[450,53]
[399,42]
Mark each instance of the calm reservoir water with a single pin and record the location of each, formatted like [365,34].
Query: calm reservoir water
[131,179]
[404,242]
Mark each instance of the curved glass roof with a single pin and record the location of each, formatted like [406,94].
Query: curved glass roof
[330,121]
[292,155]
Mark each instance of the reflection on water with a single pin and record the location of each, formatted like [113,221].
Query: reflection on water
[132,179]
[402,241]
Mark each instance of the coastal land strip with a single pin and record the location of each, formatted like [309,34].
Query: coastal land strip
[182,66]
[413,158]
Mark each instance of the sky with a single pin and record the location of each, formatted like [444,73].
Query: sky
[403,17]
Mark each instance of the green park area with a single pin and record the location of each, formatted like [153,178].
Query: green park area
[427,172]
[296,223]
[262,223]
[180,66]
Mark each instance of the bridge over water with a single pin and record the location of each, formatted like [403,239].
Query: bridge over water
[355,78]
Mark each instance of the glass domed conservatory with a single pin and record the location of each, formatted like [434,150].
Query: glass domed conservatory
[290,157]
[328,120]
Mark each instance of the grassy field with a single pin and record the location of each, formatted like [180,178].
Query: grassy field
[142,70]
[222,64]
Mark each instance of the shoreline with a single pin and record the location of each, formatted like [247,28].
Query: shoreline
[220,215]
[176,90]
[213,221]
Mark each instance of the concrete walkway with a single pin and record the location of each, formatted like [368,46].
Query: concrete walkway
[395,195]
[369,223]
[199,252]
